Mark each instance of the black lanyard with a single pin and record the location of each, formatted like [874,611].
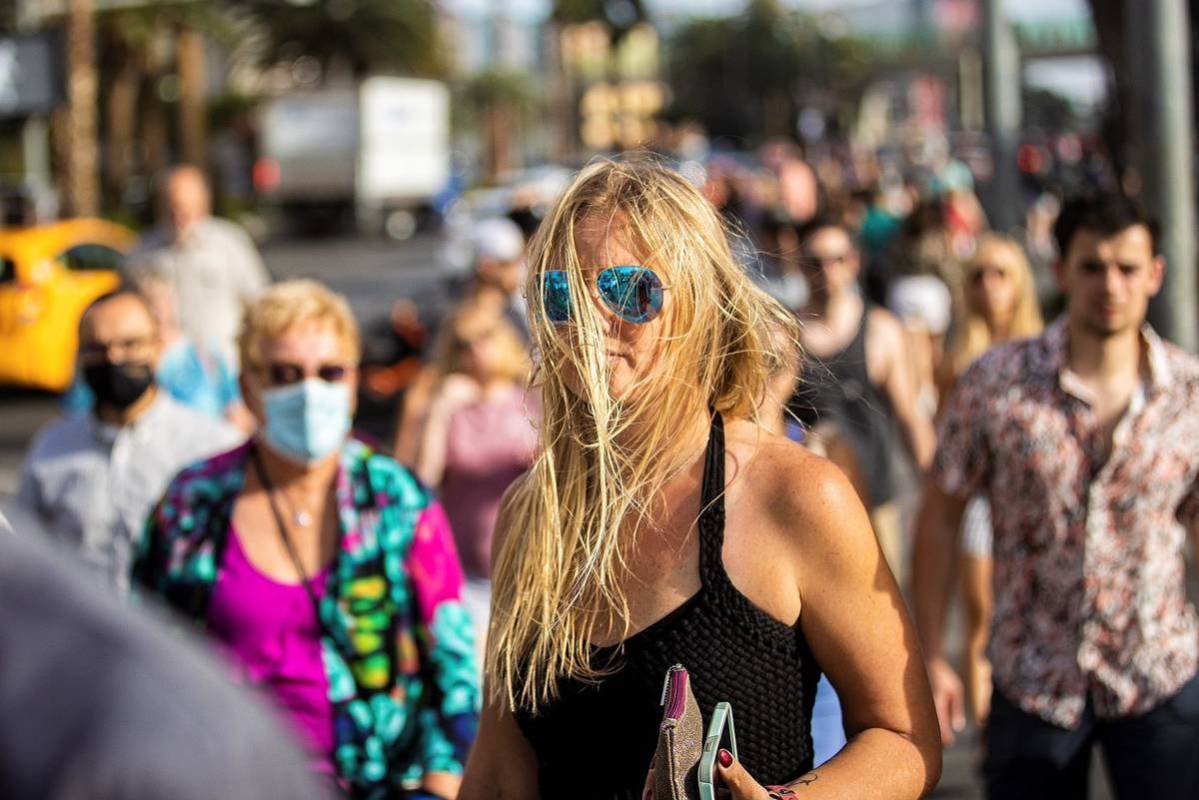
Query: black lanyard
[343,649]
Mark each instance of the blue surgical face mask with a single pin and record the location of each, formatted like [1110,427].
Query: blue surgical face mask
[306,421]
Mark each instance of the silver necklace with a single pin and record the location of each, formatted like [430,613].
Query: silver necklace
[300,516]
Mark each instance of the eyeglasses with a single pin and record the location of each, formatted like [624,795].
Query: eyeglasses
[632,293]
[833,260]
[284,374]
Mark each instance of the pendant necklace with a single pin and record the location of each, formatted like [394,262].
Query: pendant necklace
[300,516]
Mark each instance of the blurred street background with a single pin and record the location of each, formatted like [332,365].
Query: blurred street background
[359,141]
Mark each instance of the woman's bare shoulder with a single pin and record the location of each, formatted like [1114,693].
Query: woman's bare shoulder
[805,498]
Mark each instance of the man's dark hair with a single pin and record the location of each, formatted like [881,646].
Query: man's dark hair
[821,222]
[1106,213]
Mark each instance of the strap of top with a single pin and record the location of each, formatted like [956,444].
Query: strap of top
[711,518]
[856,349]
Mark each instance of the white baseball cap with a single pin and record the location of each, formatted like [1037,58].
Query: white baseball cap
[497,239]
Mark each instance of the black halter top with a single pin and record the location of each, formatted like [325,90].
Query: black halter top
[596,740]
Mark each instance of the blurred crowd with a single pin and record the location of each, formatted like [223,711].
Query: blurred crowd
[205,457]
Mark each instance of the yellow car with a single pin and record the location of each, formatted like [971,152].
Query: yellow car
[48,276]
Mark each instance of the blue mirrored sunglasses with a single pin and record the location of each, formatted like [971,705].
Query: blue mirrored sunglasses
[632,293]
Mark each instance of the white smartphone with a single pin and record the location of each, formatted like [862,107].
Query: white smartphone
[720,736]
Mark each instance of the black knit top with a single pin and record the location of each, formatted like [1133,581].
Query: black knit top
[597,740]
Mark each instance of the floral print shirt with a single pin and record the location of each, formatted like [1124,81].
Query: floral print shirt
[1090,597]
[398,649]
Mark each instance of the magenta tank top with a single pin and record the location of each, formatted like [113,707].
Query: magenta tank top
[489,444]
[271,632]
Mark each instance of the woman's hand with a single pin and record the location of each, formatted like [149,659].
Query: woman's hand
[455,391]
[742,787]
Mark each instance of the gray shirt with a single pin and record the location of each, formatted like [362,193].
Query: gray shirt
[90,485]
[215,271]
[99,703]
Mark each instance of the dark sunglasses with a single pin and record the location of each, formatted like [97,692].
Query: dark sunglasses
[284,374]
[632,293]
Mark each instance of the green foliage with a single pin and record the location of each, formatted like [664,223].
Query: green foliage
[620,15]
[501,86]
[368,36]
[512,90]
[748,76]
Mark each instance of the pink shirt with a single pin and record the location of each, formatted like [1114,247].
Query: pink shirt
[271,632]
[489,445]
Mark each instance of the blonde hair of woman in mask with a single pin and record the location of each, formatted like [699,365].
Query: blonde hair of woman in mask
[661,524]
[1000,303]
[321,567]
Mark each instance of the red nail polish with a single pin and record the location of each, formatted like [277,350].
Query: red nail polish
[726,758]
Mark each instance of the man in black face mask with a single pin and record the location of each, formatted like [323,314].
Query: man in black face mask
[89,482]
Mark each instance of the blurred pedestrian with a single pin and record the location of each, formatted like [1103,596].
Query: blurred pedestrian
[1083,440]
[89,481]
[212,263]
[858,374]
[196,376]
[499,270]
[478,437]
[98,703]
[498,249]
[612,557]
[323,568]
[1000,306]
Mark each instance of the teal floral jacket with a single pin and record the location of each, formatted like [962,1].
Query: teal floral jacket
[402,679]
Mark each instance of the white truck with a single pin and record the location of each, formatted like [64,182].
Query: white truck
[379,151]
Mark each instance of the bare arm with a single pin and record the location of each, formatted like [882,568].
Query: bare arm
[502,765]
[855,620]
[429,464]
[413,410]
[890,367]
[454,392]
[935,559]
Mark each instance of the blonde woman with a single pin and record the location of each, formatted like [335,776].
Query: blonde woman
[661,524]
[1000,306]
[478,435]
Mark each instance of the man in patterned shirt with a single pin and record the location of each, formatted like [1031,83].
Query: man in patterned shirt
[1085,442]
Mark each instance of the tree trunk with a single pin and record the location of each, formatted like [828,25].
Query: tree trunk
[80,157]
[154,128]
[122,121]
[193,133]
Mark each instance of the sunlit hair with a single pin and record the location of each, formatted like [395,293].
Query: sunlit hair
[512,360]
[975,337]
[290,304]
[560,571]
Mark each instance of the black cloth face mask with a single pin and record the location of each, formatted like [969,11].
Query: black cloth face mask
[118,385]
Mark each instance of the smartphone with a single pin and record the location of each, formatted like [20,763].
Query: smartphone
[720,736]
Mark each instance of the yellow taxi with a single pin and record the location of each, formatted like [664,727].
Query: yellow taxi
[48,276]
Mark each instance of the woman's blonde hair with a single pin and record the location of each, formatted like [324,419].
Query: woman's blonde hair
[975,338]
[513,358]
[286,305]
[560,570]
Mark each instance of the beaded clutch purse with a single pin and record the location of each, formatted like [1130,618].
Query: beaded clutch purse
[672,774]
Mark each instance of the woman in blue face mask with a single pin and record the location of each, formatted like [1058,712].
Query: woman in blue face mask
[323,568]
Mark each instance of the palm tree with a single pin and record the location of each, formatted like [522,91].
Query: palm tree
[363,36]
